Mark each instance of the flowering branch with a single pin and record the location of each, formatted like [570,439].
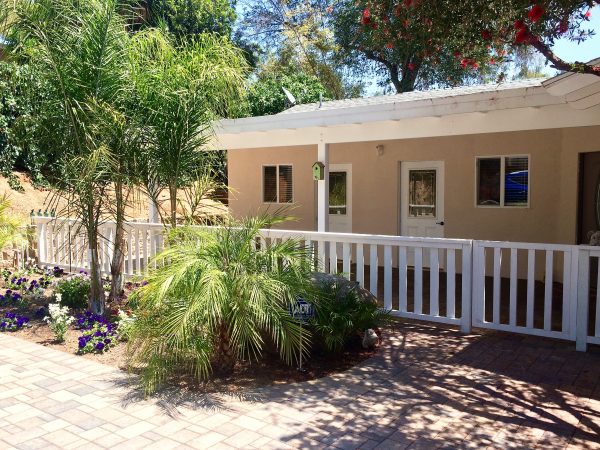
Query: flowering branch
[561,64]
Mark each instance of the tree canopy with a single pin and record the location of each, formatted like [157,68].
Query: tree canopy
[186,18]
[420,43]
[266,96]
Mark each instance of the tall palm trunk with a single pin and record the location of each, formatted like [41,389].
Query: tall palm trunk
[96,301]
[116,265]
[173,198]
[225,354]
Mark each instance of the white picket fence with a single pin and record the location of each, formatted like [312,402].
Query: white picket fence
[537,289]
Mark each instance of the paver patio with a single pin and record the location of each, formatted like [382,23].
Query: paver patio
[429,387]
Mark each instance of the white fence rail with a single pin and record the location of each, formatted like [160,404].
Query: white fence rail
[539,289]
[540,303]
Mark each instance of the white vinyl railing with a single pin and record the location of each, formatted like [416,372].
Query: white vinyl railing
[588,331]
[394,269]
[547,290]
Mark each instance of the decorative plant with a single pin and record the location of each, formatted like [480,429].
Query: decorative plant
[12,322]
[216,301]
[11,226]
[341,314]
[125,324]
[100,338]
[24,282]
[11,298]
[59,319]
[74,291]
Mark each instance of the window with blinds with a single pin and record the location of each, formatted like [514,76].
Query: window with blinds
[277,184]
[503,181]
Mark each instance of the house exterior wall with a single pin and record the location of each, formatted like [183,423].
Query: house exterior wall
[551,216]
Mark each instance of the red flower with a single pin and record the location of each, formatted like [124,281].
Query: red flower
[464,63]
[588,14]
[535,13]
[389,45]
[407,3]
[475,65]
[519,24]
[486,35]
[411,66]
[522,36]
[492,61]
[366,17]
[457,54]
[406,22]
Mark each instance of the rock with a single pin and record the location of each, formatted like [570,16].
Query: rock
[370,339]
[344,286]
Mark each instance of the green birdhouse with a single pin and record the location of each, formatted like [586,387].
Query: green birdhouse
[318,170]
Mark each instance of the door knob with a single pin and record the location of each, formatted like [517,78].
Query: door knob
[440,223]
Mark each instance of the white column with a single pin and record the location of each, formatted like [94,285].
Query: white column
[323,189]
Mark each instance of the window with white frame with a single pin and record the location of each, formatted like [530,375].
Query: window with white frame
[503,181]
[277,184]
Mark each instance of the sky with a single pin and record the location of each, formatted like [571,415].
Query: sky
[587,50]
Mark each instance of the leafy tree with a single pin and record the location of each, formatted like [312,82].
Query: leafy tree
[441,42]
[179,92]
[78,49]
[298,34]
[21,92]
[216,303]
[266,95]
[186,18]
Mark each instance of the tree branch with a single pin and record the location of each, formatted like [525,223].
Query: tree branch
[561,64]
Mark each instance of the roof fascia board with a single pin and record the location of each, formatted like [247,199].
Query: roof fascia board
[521,119]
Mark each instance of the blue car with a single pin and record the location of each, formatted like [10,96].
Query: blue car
[516,187]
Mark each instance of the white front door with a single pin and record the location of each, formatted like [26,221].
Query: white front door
[340,198]
[422,199]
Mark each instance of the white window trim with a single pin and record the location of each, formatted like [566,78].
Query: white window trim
[262,190]
[503,180]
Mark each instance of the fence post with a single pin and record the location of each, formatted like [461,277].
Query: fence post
[478,284]
[41,241]
[466,319]
[583,282]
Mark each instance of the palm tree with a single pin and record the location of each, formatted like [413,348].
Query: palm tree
[79,48]
[180,91]
[215,299]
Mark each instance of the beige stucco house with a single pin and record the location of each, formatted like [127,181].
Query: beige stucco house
[517,161]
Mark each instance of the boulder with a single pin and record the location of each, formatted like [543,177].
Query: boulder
[320,279]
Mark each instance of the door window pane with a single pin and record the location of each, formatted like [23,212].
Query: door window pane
[270,184]
[516,181]
[422,193]
[488,188]
[337,193]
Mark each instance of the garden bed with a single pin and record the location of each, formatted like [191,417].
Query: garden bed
[268,370]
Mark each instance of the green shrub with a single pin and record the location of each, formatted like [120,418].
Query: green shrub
[74,291]
[340,315]
[214,300]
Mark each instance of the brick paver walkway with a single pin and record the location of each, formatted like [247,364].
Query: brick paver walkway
[429,387]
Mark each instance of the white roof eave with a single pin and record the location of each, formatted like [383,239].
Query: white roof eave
[433,107]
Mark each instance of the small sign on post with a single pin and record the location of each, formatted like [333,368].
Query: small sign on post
[302,311]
